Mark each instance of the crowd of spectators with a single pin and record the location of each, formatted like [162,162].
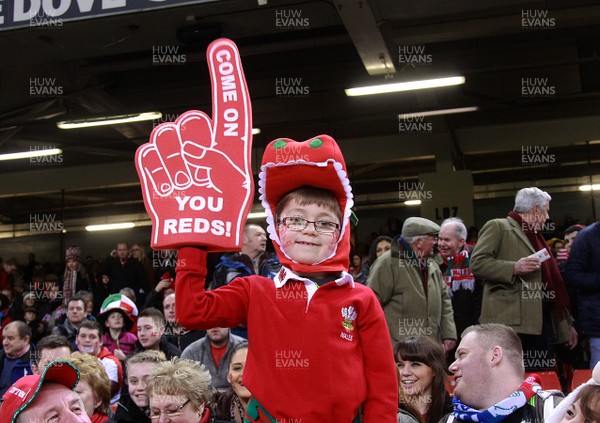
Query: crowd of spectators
[447,292]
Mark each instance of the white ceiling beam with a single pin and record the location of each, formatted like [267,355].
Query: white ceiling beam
[367,36]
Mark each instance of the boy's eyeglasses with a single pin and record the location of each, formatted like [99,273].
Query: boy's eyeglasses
[171,411]
[297,223]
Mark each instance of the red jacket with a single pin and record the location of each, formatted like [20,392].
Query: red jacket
[313,358]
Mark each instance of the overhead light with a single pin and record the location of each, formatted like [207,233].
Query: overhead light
[110,226]
[438,112]
[32,153]
[255,131]
[108,120]
[405,86]
[594,187]
[412,202]
[257,215]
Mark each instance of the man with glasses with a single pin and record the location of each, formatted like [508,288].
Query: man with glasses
[410,287]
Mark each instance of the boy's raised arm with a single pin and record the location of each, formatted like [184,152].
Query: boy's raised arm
[200,309]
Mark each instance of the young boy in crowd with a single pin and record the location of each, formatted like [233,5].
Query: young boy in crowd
[151,327]
[30,316]
[117,314]
[321,351]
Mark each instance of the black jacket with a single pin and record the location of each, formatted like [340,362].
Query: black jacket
[583,274]
[165,346]
[128,412]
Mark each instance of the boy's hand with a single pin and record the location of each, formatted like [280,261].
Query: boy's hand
[195,172]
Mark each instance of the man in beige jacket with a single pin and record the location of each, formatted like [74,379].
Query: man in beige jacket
[522,289]
[410,287]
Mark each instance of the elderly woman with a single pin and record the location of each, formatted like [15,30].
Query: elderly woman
[179,390]
[232,405]
[93,387]
[134,403]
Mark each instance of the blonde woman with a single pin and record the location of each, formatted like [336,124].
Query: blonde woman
[134,403]
[179,390]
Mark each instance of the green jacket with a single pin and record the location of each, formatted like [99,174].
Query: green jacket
[409,310]
[515,301]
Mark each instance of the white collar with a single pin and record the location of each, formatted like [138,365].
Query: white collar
[286,274]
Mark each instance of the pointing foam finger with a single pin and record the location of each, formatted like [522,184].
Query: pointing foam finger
[232,115]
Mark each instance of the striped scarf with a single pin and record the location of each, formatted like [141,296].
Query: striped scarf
[69,285]
[497,412]
[458,275]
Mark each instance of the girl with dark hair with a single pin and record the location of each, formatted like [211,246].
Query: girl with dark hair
[232,405]
[380,245]
[407,411]
[422,365]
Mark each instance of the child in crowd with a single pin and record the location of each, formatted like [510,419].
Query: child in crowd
[75,277]
[134,401]
[38,329]
[582,405]
[118,314]
[151,327]
[29,300]
[321,350]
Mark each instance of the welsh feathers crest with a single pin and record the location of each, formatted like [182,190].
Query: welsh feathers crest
[349,315]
